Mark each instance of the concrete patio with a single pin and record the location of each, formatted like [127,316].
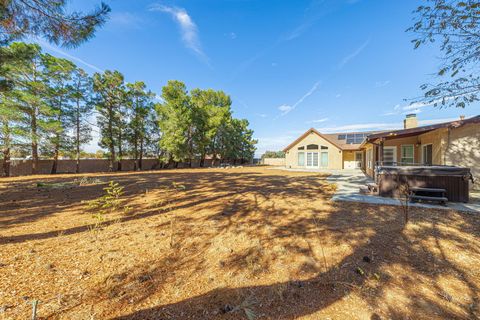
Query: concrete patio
[348,189]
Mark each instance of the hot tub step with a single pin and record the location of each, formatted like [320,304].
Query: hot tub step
[426,198]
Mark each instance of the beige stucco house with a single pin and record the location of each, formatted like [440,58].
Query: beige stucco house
[450,143]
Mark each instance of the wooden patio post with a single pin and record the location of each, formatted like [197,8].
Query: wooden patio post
[380,151]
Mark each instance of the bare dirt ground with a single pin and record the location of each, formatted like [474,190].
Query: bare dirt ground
[246,243]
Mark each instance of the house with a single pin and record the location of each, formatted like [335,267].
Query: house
[450,143]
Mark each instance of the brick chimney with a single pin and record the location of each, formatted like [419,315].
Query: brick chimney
[410,121]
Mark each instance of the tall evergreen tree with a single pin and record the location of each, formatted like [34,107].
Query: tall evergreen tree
[175,122]
[109,101]
[81,95]
[141,107]
[57,77]
[29,93]
[211,109]
[10,131]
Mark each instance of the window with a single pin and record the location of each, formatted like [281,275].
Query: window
[312,147]
[389,156]
[301,148]
[324,148]
[301,159]
[324,159]
[407,155]
[427,154]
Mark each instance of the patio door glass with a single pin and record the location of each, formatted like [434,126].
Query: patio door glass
[427,154]
[312,159]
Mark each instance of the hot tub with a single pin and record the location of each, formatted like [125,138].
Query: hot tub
[453,179]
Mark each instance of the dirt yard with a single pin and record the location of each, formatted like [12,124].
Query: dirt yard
[245,243]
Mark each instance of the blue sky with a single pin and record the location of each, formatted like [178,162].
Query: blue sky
[335,65]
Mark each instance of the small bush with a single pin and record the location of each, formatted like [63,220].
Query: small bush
[109,202]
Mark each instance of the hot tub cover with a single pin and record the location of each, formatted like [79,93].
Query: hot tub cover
[425,170]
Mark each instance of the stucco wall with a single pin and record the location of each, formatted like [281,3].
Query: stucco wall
[463,149]
[273,161]
[438,139]
[334,153]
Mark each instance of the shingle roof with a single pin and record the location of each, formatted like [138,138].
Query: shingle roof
[373,135]
[330,137]
[424,129]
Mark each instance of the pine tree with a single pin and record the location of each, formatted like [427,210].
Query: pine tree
[109,101]
[141,107]
[175,122]
[81,92]
[57,77]
[28,94]
[10,131]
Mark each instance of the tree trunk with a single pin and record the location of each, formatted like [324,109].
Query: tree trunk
[120,153]
[140,159]
[33,132]
[111,143]
[55,160]
[77,142]
[6,162]
[135,152]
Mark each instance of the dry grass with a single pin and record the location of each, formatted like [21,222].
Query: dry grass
[246,243]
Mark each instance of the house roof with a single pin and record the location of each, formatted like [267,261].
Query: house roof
[389,134]
[393,134]
[330,137]
[342,144]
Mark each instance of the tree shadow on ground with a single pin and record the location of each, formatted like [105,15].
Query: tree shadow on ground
[273,245]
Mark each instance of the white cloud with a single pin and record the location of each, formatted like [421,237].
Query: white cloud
[273,143]
[55,49]
[287,108]
[261,115]
[355,53]
[415,107]
[360,127]
[125,19]
[338,95]
[380,126]
[318,120]
[187,26]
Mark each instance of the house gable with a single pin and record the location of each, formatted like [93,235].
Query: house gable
[309,132]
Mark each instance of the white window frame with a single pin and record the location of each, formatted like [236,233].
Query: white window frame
[423,152]
[312,158]
[394,148]
[413,153]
